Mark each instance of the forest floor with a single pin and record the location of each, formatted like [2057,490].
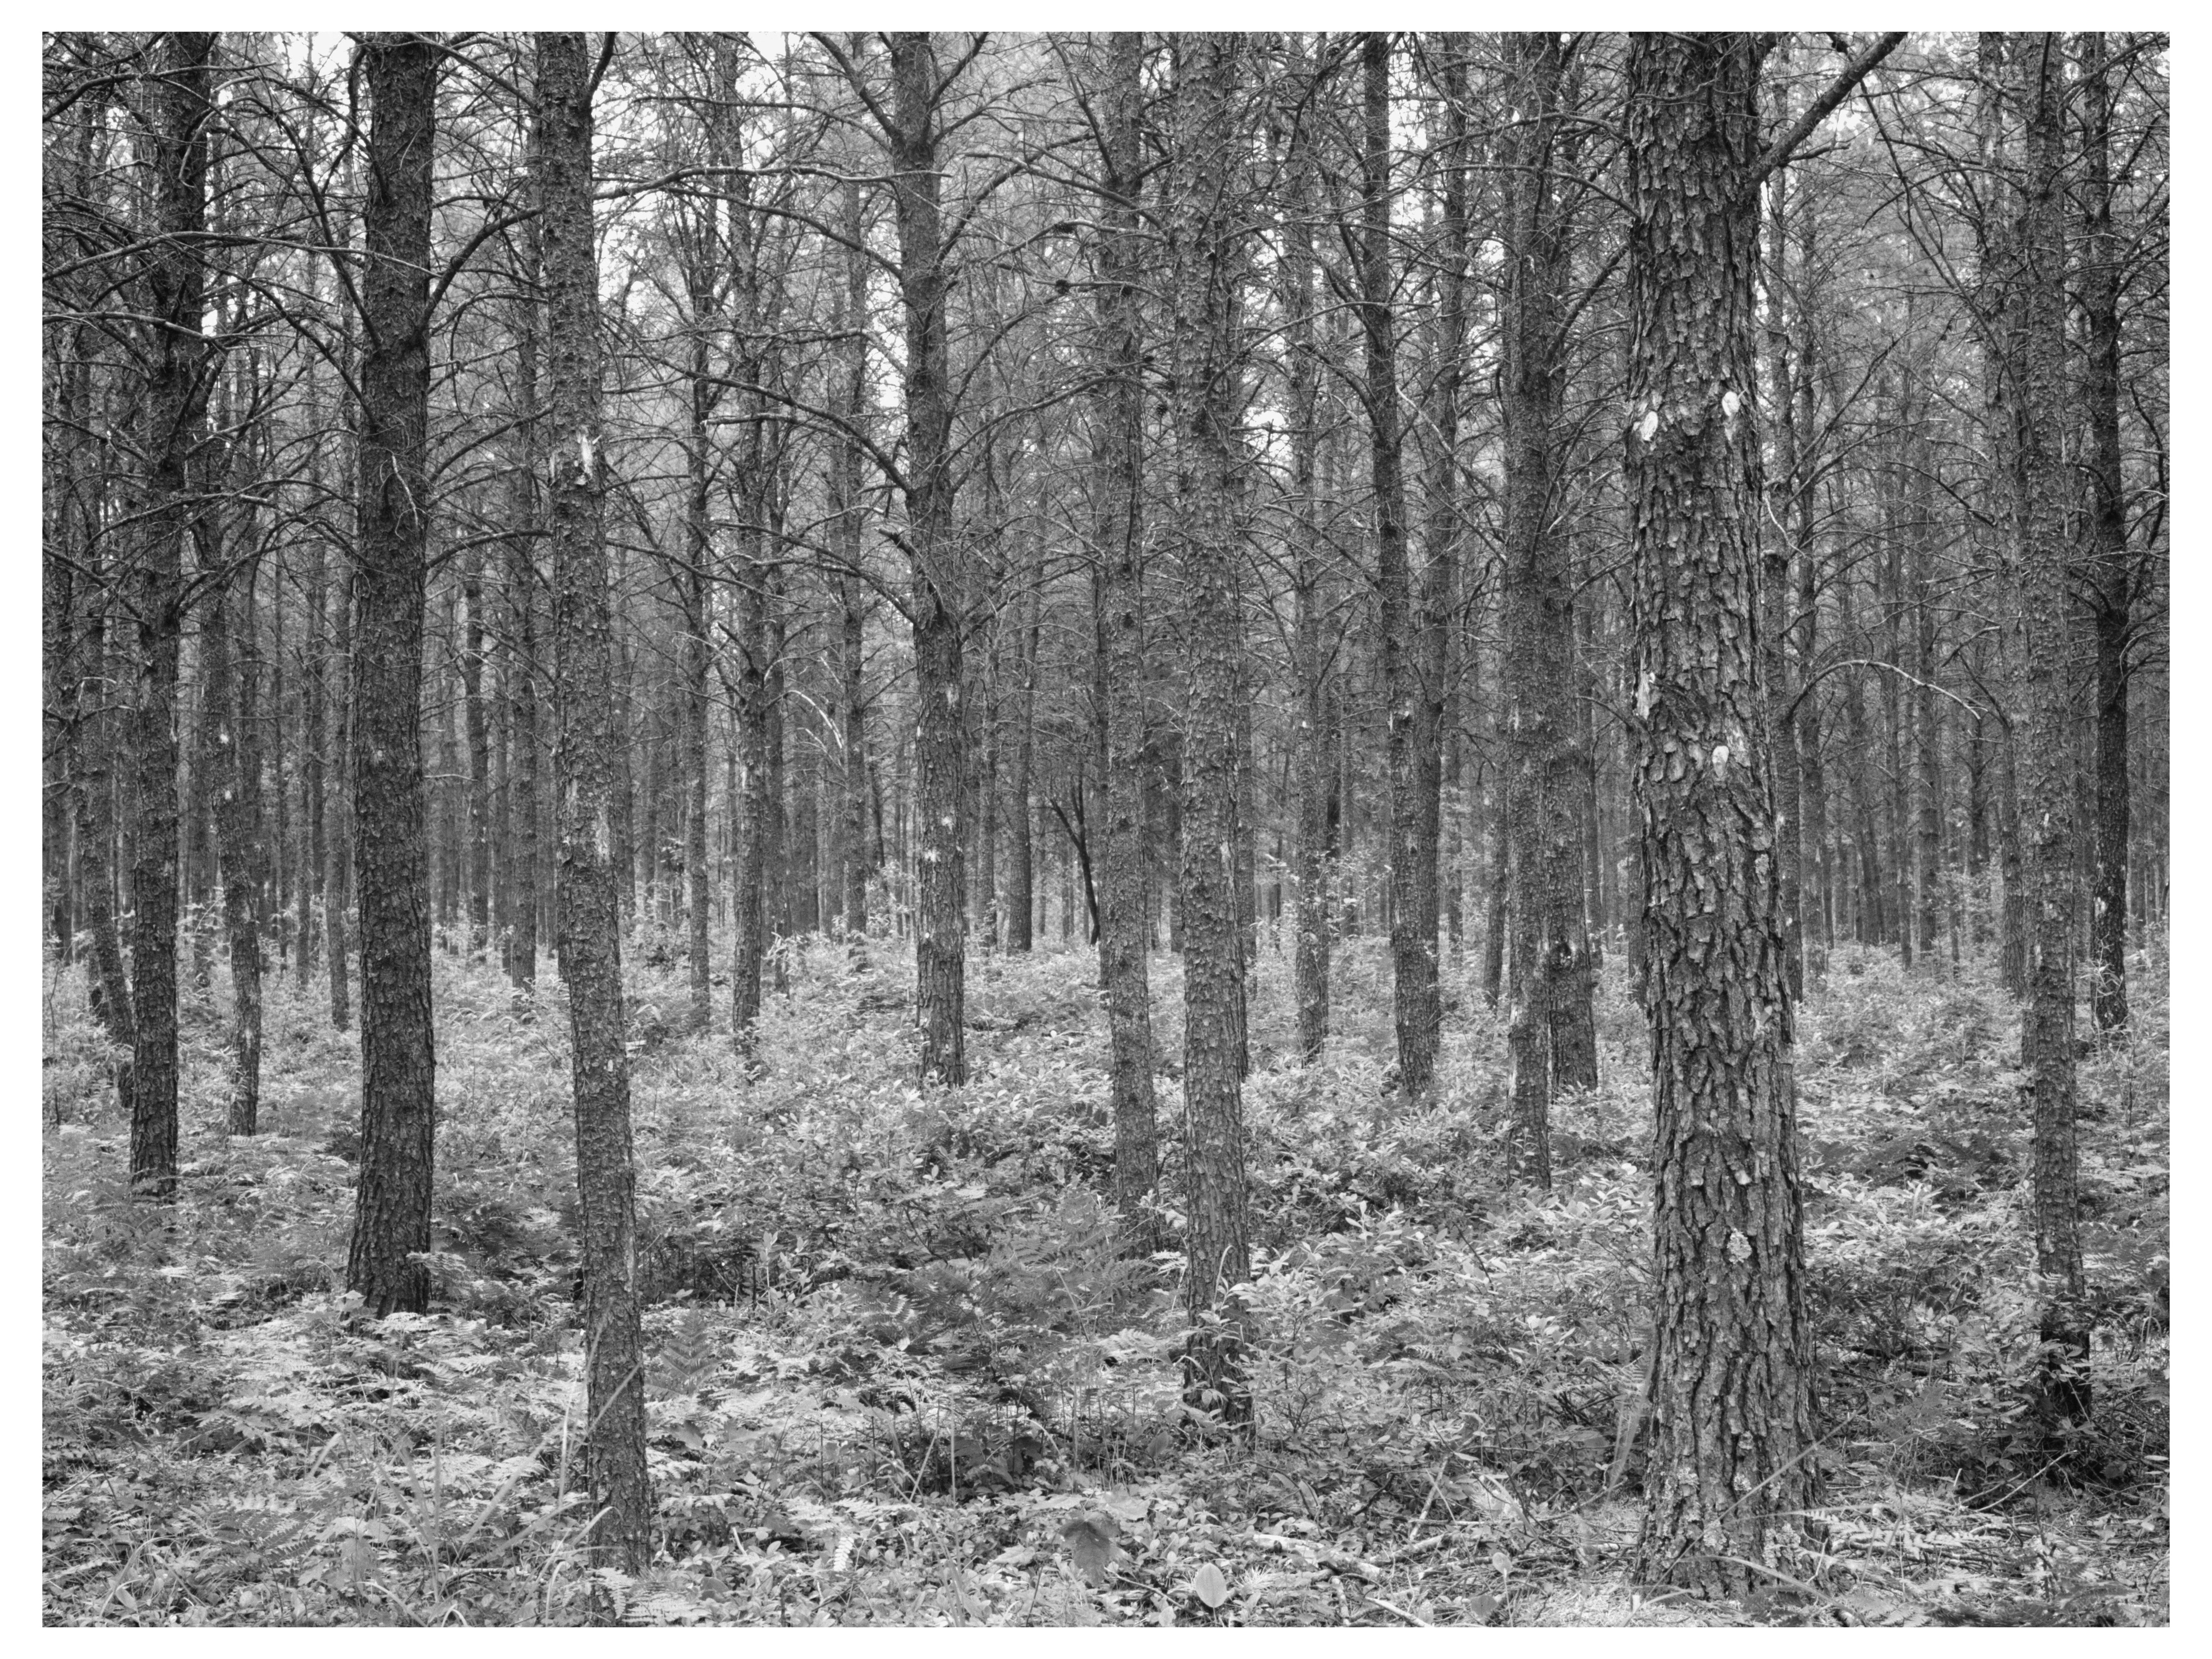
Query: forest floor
[897,1375]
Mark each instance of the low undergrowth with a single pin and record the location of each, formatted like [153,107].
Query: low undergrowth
[898,1375]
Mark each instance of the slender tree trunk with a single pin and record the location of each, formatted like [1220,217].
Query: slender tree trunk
[479,783]
[2047,682]
[590,936]
[1927,731]
[1416,1002]
[338,875]
[1731,1422]
[1021,849]
[852,596]
[748,967]
[1207,406]
[938,587]
[1315,760]
[1118,470]
[392,1210]
[1553,1038]
[2111,574]
[175,407]
[525,508]
[1440,593]
[314,769]
[695,583]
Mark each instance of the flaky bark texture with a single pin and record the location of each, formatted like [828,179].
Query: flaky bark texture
[2110,574]
[399,1118]
[590,930]
[2046,683]
[1317,771]
[1416,1006]
[1731,1415]
[938,585]
[1207,268]
[1551,1036]
[1124,924]
[175,408]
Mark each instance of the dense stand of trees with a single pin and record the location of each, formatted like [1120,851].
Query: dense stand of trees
[1525,496]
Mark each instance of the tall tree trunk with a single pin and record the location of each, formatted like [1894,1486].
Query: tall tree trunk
[1928,797]
[938,577]
[1731,1422]
[2047,683]
[524,508]
[853,301]
[1118,468]
[2111,574]
[590,936]
[1021,848]
[1316,767]
[1552,1039]
[1416,1002]
[175,408]
[315,761]
[338,874]
[695,583]
[398,1130]
[1440,593]
[1207,404]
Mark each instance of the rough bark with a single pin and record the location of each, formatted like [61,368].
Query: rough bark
[2046,681]
[178,112]
[590,932]
[1551,1033]
[1117,465]
[1417,1005]
[1317,771]
[1207,404]
[938,589]
[391,1209]
[1731,1421]
[2110,574]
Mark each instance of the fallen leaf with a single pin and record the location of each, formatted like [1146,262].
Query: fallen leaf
[1209,1585]
[1091,1543]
